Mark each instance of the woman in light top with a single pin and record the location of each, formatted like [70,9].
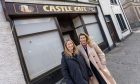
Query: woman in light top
[95,60]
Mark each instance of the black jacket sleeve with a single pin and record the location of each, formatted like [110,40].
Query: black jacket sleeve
[65,71]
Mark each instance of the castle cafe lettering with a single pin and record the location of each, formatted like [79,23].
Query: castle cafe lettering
[63,8]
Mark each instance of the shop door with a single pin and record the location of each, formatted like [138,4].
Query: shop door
[111,29]
[67,28]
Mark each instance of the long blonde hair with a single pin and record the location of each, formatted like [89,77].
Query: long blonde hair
[67,52]
[89,41]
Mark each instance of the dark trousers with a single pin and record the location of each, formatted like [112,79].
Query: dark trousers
[97,74]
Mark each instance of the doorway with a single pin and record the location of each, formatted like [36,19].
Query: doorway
[67,27]
[112,29]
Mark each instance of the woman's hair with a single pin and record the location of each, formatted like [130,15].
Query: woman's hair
[89,41]
[67,52]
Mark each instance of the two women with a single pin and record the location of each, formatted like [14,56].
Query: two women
[74,68]
[90,70]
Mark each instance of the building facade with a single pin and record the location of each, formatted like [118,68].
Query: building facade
[115,18]
[33,34]
[132,11]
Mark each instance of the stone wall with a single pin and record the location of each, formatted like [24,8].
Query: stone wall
[132,13]
[10,68]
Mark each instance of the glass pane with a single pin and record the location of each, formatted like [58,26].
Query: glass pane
[41,52]
[107,18]
[77,22]
[28,26]
[66,37]
[95,33]
[80,30]
[89,19]
[121,22]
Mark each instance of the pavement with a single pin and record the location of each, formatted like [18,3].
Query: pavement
[124,60]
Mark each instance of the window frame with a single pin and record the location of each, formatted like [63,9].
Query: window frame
[51,72]
[121,22]
[113,2]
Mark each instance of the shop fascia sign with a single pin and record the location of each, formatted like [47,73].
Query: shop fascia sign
[22,8]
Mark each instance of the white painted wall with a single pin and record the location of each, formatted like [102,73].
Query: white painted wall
[2,17]
[111,10]
[105,6]
[117,10]
[107,10]
[10,68]
[116,24]
[101,18]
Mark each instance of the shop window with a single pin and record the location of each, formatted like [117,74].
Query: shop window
[66,37]
[80,30]
[113,1]
[29,26]
[78,25]
[95,33]
[41,50]
[77,22]
[89,19]
[121,22]
[93,28]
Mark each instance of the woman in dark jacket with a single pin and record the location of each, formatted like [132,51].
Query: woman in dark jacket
[74,68]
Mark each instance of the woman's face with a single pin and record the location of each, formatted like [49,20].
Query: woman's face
[83,40]
[70,45]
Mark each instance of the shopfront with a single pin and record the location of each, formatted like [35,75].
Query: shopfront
[40,31]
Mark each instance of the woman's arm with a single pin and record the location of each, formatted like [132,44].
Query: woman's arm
[99,52]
